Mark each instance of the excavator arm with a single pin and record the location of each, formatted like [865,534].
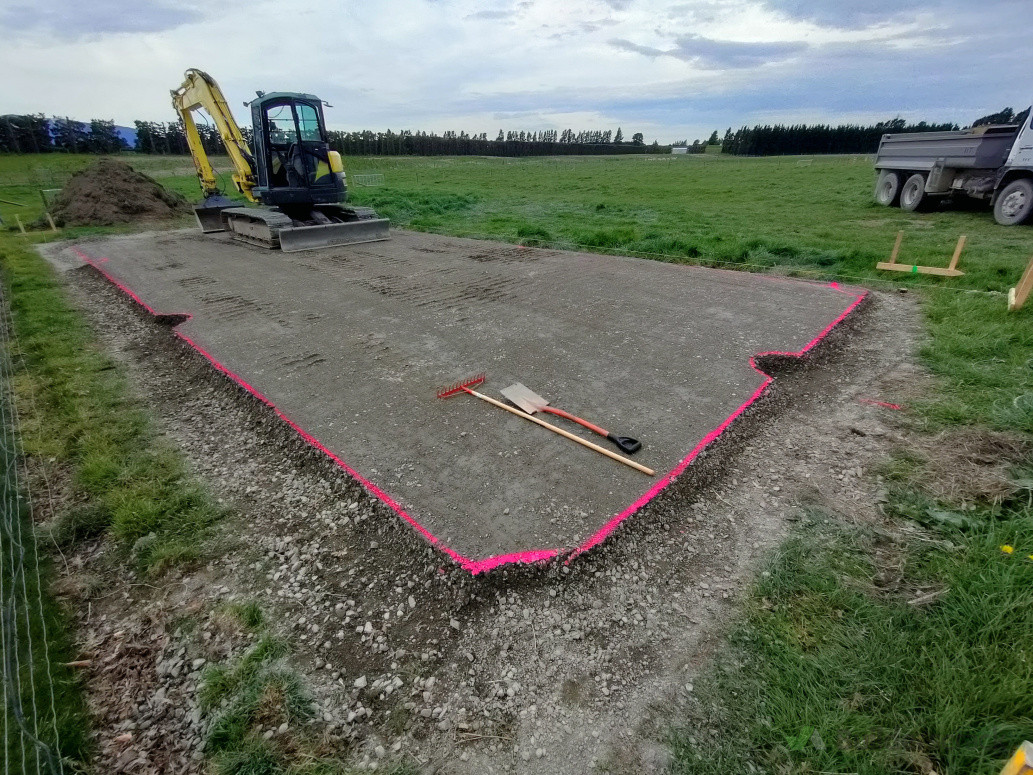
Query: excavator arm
[200,91]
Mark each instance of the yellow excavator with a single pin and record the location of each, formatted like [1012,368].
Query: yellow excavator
[291,172]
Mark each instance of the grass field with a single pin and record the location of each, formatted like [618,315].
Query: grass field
[824,672]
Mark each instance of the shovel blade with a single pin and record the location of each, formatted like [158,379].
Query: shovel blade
[524,398]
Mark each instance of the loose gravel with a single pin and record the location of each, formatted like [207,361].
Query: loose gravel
[561,668]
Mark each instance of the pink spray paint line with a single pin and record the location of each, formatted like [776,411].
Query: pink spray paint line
[527,557]
[607,529]
[883,404]
[473,566]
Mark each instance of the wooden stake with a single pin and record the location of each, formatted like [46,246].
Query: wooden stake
[1017,296]
[21,226]
[949,271]
[896,247]
[50,220]
[957,252]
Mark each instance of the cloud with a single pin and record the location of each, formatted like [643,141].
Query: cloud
[74,19]
[688,66]
[858,14]
[490,15]
[851,14]
[712,54]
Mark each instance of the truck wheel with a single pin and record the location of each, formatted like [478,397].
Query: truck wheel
[912,195]
[1014,204]
[887,188]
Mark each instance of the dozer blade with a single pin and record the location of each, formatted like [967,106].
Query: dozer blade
[297,238]
[209,213]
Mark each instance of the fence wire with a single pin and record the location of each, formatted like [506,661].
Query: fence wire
[31,738]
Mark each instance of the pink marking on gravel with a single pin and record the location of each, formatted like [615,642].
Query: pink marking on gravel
[473,566]
[883,404]
[476,567]
[607,529]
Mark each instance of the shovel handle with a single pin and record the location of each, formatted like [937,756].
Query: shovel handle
[578,420]
[561,432]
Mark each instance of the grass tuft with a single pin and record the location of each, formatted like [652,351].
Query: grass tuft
[827,673]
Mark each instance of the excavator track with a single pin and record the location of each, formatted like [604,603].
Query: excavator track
[255,225]
[328,226]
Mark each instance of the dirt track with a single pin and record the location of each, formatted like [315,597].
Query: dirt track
[552,670]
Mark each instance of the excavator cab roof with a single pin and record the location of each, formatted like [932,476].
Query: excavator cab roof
[285,95]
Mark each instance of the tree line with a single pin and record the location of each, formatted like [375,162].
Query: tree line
[36,133]
[39,134]
[780,140]
[544,143]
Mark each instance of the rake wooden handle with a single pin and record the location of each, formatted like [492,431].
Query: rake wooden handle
[561,432]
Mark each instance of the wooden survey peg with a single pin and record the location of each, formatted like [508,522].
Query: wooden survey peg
[949,271]
[1017,296]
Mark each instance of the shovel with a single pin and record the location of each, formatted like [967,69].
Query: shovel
[525,398]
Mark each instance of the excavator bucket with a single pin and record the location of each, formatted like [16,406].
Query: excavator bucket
[297,238]
[209,213]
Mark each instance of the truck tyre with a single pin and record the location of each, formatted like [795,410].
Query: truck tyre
[887,188]
[912,195]
[1014,204]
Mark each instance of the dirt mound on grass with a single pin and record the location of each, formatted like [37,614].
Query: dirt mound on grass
[110,192]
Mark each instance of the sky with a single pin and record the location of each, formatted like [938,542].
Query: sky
[671,69]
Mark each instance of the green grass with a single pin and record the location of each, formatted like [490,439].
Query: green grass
[814,221]
[886,686]
[48,694]
[127,483]
[256,692]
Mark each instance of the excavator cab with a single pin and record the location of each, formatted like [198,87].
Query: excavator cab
[294,163]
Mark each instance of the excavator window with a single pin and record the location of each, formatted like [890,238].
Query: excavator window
[308,122]
[295,143]
[280,121]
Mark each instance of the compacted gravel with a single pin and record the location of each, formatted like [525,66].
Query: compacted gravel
[564,668]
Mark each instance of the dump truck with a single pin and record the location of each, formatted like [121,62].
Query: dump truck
[994,163]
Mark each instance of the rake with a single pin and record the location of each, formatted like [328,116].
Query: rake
[467,385]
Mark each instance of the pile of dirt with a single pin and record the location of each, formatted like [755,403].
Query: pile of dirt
[110,192]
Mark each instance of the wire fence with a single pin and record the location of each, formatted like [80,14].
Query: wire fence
[30,724]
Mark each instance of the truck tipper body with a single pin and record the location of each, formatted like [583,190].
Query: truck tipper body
[994,163]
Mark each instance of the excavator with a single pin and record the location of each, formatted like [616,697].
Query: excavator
[291,172]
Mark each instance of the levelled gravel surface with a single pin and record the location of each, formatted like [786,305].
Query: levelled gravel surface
[565,668]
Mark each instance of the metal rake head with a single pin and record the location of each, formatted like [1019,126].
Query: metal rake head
[461,387]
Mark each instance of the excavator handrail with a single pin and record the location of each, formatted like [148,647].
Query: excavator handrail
[200,90]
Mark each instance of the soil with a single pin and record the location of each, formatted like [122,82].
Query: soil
[565,668]
[110,192]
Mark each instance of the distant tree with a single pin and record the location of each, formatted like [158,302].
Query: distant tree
[1004,116]
[619,137]
[500,138]
[104,138]
[714,139]
[69,136]
[144,137]
[25,134]
[638,139]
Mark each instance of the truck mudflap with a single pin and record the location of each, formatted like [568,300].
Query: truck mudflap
[297,238]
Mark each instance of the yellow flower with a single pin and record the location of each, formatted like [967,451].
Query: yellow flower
[1007,549]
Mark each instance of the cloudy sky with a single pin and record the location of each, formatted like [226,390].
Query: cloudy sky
[672,69]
